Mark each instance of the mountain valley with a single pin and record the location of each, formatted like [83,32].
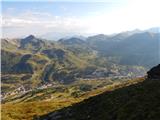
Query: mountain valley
[50,75]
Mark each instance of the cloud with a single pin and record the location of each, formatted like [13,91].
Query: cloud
[40,23]
[140,14]
[133,14]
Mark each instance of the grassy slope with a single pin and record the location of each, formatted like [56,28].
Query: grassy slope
[135,102]
[40,102]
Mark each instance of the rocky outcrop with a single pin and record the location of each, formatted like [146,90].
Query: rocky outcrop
[154,73]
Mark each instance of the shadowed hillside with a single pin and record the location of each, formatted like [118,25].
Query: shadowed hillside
[140,101]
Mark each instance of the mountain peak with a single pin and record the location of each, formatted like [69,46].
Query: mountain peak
[72,40]
[30,37]
[33,41]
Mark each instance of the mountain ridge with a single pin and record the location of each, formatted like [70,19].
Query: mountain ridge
[73,58]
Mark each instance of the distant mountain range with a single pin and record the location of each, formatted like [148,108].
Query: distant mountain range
[33,61]
[59,35]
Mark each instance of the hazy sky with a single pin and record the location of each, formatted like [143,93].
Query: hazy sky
[81,17]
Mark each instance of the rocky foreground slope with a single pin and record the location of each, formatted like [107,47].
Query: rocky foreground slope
[140,101]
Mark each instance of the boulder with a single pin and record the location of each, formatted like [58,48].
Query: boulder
[154,73]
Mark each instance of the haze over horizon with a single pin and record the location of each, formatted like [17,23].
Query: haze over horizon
[60,19]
